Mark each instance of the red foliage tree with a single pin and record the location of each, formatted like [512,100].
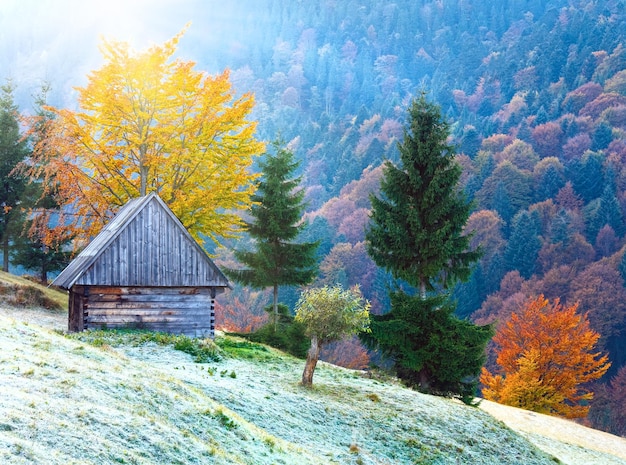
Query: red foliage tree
[546,354]
[348,265]
[496,143]
[568,199]
[575,100]
[241,313]
[486,227]
[359,191]
[348,353]
[353,226]
[595,108]
[547,139]
[577,252]
[336,209]
[617,392]
[607,242]
[600,290]
[576,146]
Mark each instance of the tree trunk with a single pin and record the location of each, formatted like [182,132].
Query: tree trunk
[5,252]
[311,361]
[275,307]
[424,380]
[423,288]
[44,272]
[143,169]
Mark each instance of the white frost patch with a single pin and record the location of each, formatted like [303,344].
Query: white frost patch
[66,402]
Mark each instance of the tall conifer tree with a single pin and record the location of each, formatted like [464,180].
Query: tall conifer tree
[13,150]
[43,245]
[417,225]
[416,233]
[277,214]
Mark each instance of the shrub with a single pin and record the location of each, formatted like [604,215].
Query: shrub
[287,336]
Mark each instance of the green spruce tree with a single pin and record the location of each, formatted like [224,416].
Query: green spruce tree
[13,150]
[276,224]
[416,233]
[43,243]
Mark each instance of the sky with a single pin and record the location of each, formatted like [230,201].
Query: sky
[56,41]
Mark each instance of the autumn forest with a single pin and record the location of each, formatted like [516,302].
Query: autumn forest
[536,95]
[534,92]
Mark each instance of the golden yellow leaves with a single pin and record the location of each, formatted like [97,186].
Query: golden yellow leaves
[149,123]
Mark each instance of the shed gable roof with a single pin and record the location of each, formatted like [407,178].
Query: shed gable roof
[143,245]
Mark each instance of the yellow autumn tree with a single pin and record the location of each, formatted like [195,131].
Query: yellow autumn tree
[150,123]
[546,354]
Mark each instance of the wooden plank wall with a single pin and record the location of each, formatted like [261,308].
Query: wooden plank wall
[181,310]
[152,250]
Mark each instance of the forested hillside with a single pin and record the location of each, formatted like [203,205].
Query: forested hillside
[536,95]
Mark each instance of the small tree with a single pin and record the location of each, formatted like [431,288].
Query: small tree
[277,214]
[329,314]
[41,247]
[546,354]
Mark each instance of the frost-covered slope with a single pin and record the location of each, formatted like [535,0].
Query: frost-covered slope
[66,401]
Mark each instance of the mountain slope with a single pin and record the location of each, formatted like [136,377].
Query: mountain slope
[67,401]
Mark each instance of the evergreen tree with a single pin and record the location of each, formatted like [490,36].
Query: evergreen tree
[470,295]
[416,229]
[277,213]
[610,212]
[602,136]
[550,184]
[587,175]
[416,233]
[13,150]
[42,245]
[524,245]
[433,350]
[33,253]
[502,203]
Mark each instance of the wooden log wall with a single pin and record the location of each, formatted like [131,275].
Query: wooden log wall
[179,310]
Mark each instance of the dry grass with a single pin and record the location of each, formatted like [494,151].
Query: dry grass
[65,401]
[24,292]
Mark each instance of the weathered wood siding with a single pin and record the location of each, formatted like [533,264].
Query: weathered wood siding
[183,310]
[152,250]
[76,319]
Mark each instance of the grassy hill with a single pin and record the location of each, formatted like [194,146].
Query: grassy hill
[107,398]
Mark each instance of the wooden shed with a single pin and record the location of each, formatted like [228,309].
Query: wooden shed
[144,270]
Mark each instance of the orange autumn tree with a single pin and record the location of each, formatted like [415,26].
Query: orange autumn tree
[546,354]
[150,123]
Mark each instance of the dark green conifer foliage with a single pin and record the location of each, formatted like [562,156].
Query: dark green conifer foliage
[416,233]
[502,203]
[417,225]
[524,244]
[433,350]
[35,248]
[33,254]
[610,212]
[277,213]
[13,150]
